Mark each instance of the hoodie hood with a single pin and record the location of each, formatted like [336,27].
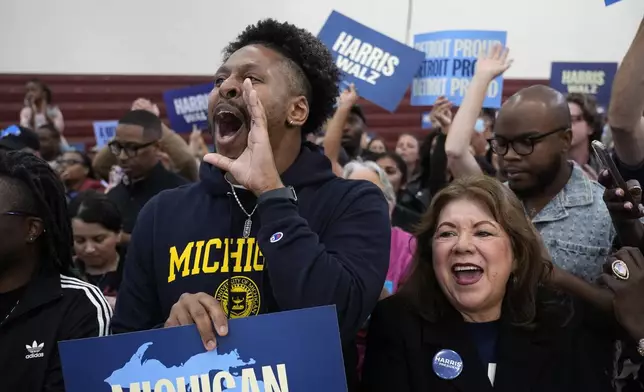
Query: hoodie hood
[309,168]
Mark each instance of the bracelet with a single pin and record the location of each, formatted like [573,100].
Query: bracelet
[640,347]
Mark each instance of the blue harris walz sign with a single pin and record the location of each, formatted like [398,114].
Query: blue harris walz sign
[290,351]
[587,78]
[450,60]
[380,67]
[187,107]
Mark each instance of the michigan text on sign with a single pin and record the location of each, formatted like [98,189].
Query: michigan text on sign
[222,381]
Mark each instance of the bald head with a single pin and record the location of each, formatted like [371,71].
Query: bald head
[549,100]
[533,133]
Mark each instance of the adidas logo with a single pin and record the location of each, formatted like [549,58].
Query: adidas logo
[35,350]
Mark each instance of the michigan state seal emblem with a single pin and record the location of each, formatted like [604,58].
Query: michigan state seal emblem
[244,297]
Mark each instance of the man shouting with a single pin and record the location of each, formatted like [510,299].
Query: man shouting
[269,227]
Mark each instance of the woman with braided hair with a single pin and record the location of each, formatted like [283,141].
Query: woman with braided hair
[41,302]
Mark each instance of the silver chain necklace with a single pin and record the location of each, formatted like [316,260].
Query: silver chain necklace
[9,314]
[248,224]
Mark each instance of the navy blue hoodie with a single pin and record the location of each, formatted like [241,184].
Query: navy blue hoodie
[332,248]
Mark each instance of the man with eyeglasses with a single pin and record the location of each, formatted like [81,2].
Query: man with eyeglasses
[532,141]
[135,146]
[532,138]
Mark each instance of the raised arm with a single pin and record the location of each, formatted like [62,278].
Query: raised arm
[627,104]
[460,160]
[333,136]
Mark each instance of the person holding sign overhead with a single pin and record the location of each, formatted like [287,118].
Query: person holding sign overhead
[269,227]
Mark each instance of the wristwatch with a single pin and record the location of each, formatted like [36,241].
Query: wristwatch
[640,347]
[287,192]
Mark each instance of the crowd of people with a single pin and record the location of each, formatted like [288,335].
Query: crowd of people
[498,253]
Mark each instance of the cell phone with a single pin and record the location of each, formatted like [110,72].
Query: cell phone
[601,152]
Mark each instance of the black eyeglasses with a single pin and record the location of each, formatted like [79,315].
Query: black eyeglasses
[522,146]
[131,150]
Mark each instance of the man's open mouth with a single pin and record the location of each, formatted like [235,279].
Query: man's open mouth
[227,123]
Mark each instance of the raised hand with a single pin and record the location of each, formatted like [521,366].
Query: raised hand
[494,63]
[255,167]
[615,201]
[441,113]
[145,104]
[348,97]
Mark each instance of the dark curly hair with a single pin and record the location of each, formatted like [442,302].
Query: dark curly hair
[314,74]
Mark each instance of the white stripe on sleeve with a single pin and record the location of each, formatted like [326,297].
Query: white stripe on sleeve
[96,297]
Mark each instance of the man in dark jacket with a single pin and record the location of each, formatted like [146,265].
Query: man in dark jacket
[269,227]
[136,147]
[41,303]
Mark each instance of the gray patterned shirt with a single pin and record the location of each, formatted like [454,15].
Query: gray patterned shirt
[576,226]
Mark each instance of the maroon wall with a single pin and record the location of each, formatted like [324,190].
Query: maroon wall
[87,98]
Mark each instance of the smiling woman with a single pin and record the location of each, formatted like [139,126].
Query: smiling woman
[476,302]
[477,249]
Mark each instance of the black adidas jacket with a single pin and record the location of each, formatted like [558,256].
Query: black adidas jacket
[53,308]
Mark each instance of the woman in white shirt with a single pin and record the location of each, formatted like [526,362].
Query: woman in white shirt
[39,110]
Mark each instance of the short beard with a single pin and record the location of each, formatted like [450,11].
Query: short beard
[352,151]
[543,180]
[352,147]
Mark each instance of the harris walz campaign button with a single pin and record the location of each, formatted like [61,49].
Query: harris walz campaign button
[447,364]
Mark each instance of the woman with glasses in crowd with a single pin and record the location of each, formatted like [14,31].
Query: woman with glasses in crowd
[75,170]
